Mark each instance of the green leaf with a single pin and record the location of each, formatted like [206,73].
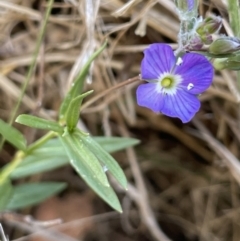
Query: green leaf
[48,157]
[5,194]
[73,112]
[219,56]
[51,155]
[232,63]
[33,193]
[39,123]
[78,84]
[34,164]
[109,162]
[82,163]
[81,157]
[12,135]
[112,144]
[109,144]
[234,15]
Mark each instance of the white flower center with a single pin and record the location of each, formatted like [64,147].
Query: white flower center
[168,83]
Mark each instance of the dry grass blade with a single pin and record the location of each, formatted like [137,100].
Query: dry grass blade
[227,157]
[47,234]
[3,236]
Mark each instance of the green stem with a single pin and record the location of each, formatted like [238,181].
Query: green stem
[7,170]
[234,16]
[183,34]
[20,155]
[32,66]
[41,141]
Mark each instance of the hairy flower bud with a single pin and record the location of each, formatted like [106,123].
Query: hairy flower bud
[219,64]
[225,45]
[187,8]
[208,27]
[195,43]
[232,63]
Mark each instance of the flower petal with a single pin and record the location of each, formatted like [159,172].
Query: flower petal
[158,59]
[196,72]
[182,105]
[148,96]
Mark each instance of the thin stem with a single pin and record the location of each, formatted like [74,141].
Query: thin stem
[104,93]
[234,15]
[32,66]
[183,34]
[7,170]
[20,155]
[41,141]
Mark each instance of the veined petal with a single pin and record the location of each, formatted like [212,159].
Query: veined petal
[182,105]
[148,96]
[197,73]
[158,59]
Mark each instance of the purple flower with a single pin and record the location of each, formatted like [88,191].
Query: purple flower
[173,83]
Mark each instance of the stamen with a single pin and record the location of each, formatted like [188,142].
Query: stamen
[190,86]
[166,82]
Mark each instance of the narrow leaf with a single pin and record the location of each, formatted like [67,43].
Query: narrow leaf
[5,194]
[105,158]
[81,165]
[78,84]
[12,135]
[73,111]
[33,193]
[234,15]
[81,156]
[34,164]
[39,123]
[219,56]
[51,155]
[112,144]
[51,146]
[109,144]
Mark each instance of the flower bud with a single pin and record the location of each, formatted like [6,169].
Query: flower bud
[219,64]
[232,63]
[208,27]
[225,45]
[187,8]
[195,43]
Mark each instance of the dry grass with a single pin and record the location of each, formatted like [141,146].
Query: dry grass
[190,174]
